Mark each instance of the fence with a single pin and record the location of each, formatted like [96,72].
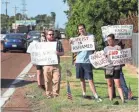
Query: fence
[135,49]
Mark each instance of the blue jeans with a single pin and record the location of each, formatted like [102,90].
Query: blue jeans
[123,85]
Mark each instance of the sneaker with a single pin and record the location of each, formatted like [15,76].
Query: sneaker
[98,99]
[124,102]
[48,97]
[84,96]
[54,96]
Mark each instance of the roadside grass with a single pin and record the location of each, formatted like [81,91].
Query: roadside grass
[61,104]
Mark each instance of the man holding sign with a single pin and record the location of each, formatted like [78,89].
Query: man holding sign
[84,46]
[47,54]
[52,72]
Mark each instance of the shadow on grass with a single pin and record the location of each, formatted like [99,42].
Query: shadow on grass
[88,97]
[5,83]
[101,83]
[118,97]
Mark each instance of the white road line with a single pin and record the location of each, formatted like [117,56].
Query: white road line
[12,88]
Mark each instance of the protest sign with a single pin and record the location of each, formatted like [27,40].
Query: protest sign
[98,59]
[119,57]
[120,31]
[43,53]
[84,43]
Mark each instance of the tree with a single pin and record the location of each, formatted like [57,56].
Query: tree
[95,14]
[3,20]
[53,15]
[18,16]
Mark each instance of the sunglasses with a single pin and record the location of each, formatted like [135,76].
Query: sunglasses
[51,34]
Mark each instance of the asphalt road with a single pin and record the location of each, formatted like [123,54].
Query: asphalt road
[12,64]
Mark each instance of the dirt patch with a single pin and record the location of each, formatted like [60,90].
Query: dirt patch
[18,102]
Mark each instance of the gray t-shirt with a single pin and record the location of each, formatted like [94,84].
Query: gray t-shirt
[106,51]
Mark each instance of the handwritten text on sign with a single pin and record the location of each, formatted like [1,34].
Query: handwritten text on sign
[84,43]
[43,53]
[98,59]
[120,31]
[119,57]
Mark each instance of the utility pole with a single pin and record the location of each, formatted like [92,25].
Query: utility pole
[6,4]
[15,9]
[24,10]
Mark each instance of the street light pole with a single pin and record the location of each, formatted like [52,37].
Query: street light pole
[15,8]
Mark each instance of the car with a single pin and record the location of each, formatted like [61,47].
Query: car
[63,36]
[15,41]
[33,35]
[2,35]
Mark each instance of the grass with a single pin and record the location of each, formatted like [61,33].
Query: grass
[78,104]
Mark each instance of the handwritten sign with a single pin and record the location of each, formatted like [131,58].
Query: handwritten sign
[84,43]
[119,57]
[43,53]
[98,59]
[120,31]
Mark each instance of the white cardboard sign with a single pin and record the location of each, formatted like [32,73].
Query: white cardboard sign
[84,43]
[120,31]
[98,59]
[119,57]
[43,53]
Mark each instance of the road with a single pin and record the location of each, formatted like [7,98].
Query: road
[12,64]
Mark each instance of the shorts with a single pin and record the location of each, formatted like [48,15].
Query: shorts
[39,67]
[115,75]
[84,71]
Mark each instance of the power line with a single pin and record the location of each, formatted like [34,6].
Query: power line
[15,9]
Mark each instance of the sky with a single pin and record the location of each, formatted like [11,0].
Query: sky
[35,7]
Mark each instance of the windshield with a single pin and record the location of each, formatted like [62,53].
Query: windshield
[34,33]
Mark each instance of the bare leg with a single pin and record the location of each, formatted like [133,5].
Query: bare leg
[83,86]
[119,88]
[39,77]
[92,86]
[110,88]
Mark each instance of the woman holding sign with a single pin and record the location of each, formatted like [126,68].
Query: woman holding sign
[112,72]
[40,77]
[84,67]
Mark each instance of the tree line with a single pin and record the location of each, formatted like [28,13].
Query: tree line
[42,20]
[97,13]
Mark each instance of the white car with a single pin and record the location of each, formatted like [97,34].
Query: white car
[2,37]
[63,36]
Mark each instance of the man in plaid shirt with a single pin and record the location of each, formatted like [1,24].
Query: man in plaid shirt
[52,72]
